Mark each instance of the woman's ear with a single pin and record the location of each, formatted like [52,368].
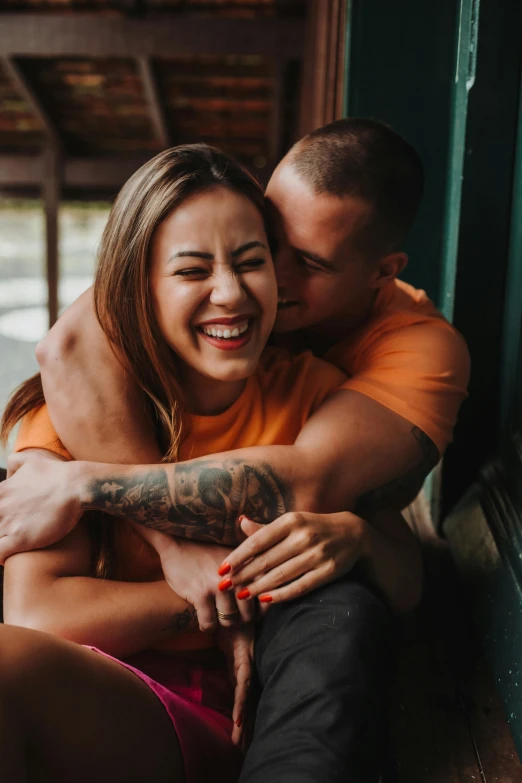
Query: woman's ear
[388,268]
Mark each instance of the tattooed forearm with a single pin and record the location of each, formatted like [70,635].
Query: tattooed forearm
[182,621]
[203,501]
[402,490]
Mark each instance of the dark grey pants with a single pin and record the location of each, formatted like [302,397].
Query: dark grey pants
[323,664]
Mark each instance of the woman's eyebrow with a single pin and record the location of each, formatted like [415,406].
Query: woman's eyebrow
[245,247]
[192,254]
[209,257]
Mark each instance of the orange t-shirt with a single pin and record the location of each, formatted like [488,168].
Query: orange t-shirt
[410,359]
[276,402]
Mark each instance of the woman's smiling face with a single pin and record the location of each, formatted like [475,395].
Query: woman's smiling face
[213,285]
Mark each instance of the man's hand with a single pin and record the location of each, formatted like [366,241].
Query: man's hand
[238,646]
[295,554]
[190,570]
[37,504]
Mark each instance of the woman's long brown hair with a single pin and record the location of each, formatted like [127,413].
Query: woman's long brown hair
[121,292]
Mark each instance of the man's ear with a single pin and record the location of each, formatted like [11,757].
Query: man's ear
[388,268]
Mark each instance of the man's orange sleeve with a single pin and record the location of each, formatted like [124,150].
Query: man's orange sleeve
[421,372]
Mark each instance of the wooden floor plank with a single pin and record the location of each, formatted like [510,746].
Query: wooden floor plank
[447,721]
[494,742]
[429,728]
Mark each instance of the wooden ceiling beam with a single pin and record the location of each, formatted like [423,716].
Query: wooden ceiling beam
[88,35]
[22,84]
[156,107]
[26,172]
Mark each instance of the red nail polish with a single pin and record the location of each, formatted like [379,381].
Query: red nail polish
[265,599]
[241,518]
[225,583]
[244,593]
[239,721]
[224,569]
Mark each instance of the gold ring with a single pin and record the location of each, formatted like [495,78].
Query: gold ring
[224,616]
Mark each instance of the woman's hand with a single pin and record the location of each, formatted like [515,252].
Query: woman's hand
[237,644]
[38,506]
[295,554]
[190,569]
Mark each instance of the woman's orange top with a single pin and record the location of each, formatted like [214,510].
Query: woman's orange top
[276,402]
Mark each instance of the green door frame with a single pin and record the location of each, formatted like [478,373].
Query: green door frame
[466,42]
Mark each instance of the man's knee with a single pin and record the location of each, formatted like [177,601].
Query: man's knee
[340,632]
[344,605]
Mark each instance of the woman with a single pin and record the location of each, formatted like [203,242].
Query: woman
[186,290]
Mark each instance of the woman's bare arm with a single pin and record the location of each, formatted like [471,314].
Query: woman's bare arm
[51,590]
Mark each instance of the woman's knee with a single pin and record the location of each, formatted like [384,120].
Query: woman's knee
[25,655]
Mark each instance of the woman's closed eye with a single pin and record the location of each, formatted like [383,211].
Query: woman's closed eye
[193,272]
[251,263]
[198,273]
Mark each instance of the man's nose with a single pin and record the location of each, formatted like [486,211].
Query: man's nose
[283,264]
[227,290]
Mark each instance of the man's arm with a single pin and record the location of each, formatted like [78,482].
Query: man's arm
[324,471]
[93,401]
[353,441]
[316,548]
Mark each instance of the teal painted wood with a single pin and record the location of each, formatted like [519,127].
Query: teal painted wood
[401,70]
[485,219]
[511,381]
[466,41]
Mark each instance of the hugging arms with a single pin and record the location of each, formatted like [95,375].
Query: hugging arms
[349,446]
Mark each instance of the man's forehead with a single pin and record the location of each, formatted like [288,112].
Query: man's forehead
[304,213]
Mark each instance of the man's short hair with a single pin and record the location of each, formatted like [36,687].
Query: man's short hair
[364,157]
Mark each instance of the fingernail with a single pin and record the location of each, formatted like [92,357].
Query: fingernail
[244,593]
[225,583]
[244,516]
[239,721]
[224,569]
[265,599]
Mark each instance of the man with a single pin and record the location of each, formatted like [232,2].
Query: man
[344,198]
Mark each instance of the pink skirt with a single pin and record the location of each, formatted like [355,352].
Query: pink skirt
[198,697]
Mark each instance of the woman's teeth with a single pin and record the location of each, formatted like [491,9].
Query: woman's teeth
[224,333]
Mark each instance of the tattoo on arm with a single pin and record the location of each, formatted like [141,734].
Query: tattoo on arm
[203,502]
[401,491]
[181,621]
